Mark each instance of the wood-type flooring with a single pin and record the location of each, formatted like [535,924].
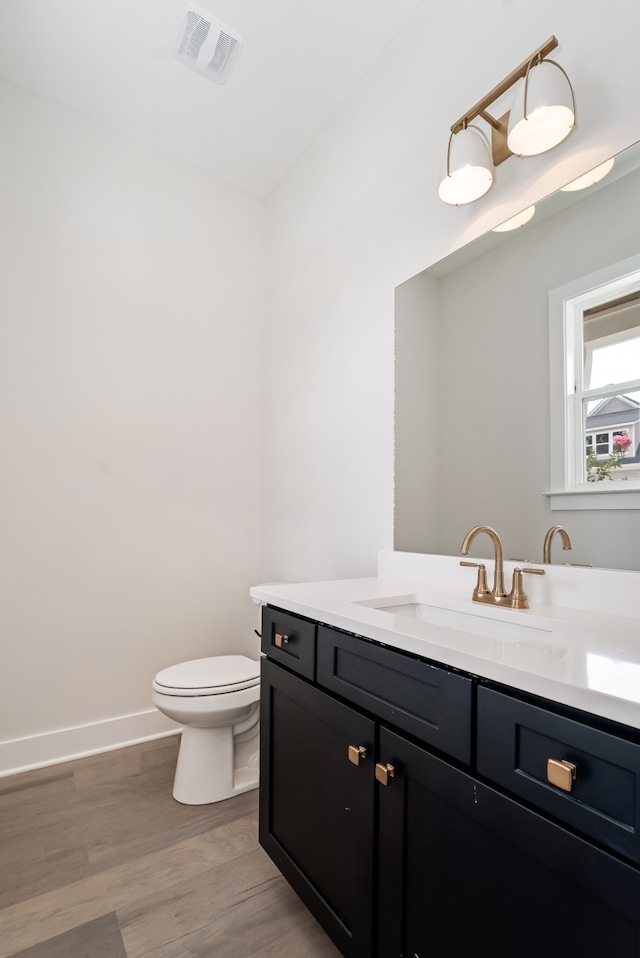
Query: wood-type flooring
[97,860]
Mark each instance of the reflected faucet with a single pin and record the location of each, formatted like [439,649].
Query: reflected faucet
[566,542]
[481,593]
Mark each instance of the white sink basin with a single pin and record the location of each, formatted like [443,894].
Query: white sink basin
[491,622]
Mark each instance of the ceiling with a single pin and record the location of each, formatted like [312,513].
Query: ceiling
[112,60]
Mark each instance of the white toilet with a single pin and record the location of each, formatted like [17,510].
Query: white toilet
[217,701]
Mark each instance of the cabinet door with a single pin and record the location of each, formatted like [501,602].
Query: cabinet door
[465,870]
[316,804]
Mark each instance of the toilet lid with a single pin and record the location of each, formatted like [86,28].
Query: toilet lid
[212,676]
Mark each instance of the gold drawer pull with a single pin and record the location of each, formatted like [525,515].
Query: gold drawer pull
[281,639]
[384,773]
[561,773]
[356,752]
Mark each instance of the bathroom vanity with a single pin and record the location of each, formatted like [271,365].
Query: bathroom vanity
[427,788]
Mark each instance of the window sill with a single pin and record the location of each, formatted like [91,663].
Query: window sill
[589,499]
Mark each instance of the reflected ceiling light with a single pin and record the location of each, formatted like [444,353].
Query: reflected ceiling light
[515,221]
[469,172]
[543,114]
[588,179]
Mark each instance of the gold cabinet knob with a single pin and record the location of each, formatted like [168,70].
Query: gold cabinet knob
[281,639]
[561,773]
[356,752]
[384,773]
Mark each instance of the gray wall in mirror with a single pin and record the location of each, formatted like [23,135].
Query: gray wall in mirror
[472,388]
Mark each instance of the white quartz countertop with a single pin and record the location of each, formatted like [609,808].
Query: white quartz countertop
[565,648]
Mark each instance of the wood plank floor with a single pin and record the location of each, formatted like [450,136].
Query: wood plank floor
[98,861]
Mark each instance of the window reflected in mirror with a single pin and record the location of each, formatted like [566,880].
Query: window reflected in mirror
[611,390]
[594,341]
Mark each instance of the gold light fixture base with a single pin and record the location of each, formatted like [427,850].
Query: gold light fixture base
[499,149]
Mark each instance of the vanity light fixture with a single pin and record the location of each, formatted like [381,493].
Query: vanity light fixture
[515,221]
[542,115]
[588,179]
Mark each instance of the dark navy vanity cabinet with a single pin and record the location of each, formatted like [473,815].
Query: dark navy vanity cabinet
[413,809]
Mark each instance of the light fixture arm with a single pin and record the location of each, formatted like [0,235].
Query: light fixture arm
[451,135]
[521,71]
[491,120]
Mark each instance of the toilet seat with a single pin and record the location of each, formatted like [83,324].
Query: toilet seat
[216,675]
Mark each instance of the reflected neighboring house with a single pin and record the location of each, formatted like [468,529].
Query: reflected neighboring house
[611,417]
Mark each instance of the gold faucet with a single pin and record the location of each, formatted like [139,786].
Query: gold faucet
[566,542]
[481,593]
[516,599]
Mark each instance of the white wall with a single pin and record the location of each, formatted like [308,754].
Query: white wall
[359,214]
[132,292]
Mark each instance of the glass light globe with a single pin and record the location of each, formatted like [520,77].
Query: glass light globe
[470,165]
[550,111]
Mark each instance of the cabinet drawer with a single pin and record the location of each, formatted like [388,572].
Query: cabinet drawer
[516,740]
[289,640]
[429,702]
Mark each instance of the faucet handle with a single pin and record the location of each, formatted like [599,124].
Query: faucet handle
[517,596]
[481,585]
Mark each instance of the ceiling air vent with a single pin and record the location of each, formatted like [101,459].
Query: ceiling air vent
[206,45]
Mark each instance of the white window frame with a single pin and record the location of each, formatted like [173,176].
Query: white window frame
[567,305]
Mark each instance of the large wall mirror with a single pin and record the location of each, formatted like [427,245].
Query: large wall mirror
[472,426]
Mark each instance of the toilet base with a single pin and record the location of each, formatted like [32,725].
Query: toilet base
[205,772]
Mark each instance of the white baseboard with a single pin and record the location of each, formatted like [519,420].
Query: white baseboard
[63,745]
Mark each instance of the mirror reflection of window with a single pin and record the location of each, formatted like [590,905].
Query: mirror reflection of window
[594,360]
[611,389]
